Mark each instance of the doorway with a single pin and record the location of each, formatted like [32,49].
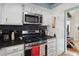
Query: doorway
[72,30]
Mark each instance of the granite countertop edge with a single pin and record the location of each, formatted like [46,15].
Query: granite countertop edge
[21,42]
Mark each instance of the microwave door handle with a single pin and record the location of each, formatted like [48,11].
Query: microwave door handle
[39,19]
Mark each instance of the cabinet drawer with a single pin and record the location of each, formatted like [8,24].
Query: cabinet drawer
[51,48]
[16,47]
[20,53]
[51,45]
[51,41]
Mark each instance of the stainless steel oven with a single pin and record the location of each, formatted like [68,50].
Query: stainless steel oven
[32,38]
[31,18]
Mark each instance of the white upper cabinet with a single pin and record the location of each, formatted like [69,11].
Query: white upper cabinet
[12,14]
[46,19]
[0,13]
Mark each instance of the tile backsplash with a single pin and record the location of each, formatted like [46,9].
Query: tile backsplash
[21,27]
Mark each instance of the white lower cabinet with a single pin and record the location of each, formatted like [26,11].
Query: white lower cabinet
[20,53]
[17,50]
[51,47]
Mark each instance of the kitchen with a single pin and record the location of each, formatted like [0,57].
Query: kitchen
[33,29]
[25,30]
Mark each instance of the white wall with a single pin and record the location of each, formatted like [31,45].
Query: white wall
[59,13]
[74,25]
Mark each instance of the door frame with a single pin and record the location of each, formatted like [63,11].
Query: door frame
[65,27]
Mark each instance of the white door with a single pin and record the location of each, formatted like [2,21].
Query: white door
[12,14]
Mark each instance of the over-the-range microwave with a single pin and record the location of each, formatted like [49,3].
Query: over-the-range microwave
[32,18]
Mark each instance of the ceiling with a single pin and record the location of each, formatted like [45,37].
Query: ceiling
[47,5]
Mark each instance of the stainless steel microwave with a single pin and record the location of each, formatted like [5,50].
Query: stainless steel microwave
[31,18]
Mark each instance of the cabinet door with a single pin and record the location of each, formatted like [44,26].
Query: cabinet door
[46,19]
[51,47]
[15,48]
[19,53]
[12,50]
[12,14]
[42,50]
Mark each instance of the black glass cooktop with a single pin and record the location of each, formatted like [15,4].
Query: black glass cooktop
[32,39]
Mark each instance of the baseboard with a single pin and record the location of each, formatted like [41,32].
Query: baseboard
[61,54]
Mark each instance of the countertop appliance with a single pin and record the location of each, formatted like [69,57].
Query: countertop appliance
[6,35]
[32,18]
[10,35]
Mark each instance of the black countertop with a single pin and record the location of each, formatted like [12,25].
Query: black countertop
[17,42]
[12,43]
[49,37]
[41,38]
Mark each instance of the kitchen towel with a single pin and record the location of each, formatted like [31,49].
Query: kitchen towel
[35,51]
